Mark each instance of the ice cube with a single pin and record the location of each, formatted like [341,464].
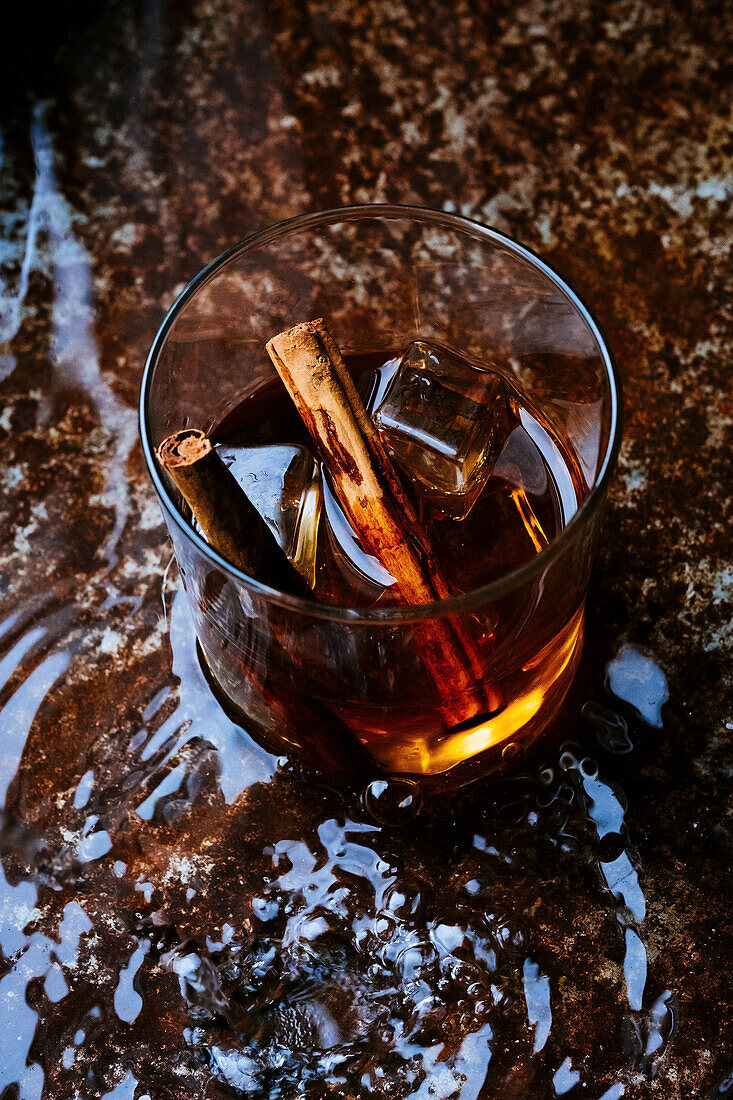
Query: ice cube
[349,554]
[372,387]
[445,422]
[284,484]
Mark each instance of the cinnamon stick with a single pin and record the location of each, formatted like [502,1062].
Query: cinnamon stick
[308,360]
[233,526]
[229,521]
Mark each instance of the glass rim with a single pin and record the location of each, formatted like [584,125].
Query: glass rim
[465,601]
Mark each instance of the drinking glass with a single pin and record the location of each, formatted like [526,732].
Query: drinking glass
[344,687]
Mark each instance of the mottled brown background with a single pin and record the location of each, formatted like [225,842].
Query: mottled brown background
[140,139]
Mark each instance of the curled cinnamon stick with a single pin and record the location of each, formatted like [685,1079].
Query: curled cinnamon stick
[308,360]
[228,519]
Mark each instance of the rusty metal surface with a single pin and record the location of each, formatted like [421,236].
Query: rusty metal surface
[139,140]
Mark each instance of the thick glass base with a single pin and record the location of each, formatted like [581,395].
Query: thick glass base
[360,742]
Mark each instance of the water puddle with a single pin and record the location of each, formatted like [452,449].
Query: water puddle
[51,247]
[183,914]
[202,918]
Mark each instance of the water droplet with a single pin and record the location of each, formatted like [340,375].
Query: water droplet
[588,767]
[405,899]
[285,767]
[415,963]
[392,801]
[385,926]
[610,847]
[634,676]
[511,753]
[567,761]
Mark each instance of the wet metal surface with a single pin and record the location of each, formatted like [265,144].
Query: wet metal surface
[180,915]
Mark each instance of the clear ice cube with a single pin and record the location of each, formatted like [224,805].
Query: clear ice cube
[445,422]
[348,551]
[373,386]
[284,484]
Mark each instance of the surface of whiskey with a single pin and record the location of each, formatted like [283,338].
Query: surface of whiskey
[531,492]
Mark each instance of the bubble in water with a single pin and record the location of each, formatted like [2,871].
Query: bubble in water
[610,847]
[569,756]
[285,767]
[405,899]
[392,801]
[385,926]
[414,963]
[588,768]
